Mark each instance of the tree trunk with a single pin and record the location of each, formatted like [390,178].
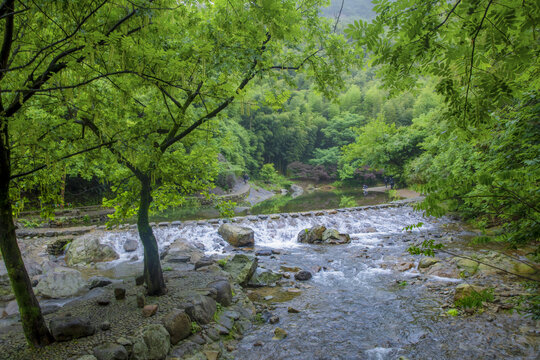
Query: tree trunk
[153,275]
[35,330]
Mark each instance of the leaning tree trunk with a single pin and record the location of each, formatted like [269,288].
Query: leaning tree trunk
[35,330]
[153,275]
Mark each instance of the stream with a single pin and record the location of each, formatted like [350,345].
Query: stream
[357,306]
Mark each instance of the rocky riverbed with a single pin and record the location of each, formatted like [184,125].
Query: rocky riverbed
[363,299]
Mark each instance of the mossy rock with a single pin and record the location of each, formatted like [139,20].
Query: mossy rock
[470,266]
[524,269]
[427,262]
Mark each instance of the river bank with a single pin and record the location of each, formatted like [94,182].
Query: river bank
[367,299]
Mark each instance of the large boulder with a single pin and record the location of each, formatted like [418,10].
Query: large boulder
[178,324]
[241,268]
[110,351]
[321,235]
[237,235]
[68,328]
[201,309]
[86,250]
[333,237]
[311,236]
[179,249]
[61,282]
[224,291]
[157,340]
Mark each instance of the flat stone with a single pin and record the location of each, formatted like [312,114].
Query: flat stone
[163,224]
[68,328]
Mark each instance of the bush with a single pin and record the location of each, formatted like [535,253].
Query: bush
[268,173]
[475,299]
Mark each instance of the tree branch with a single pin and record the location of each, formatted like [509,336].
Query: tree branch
[472,58]
[8,5]
[62,158]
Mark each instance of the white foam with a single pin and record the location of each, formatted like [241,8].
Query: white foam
[378,353]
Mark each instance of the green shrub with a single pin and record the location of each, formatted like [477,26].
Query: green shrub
[475,299]
[195,328]
[347,201]
[268,173]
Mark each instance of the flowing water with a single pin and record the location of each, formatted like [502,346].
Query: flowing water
[357,306]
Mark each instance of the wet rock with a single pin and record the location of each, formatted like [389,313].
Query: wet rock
[322,235]
[236,235]
[178,325]
[149,310]
[303,275]
[279,334]
[311,236]
[105,326]
[157,340]
[289,268]
[68,328]
[404,266]
[88,249]
[273,319]
[98,281]
[61,282]
[263,253]
[427,262]
[241,268]
[110,351]
[201,309]
[130,245]
[292,310]
[333,237]
[224,291]
[265,278]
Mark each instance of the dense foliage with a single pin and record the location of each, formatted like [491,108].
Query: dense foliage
[479,153]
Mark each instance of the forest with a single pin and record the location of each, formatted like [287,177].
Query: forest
[146,98]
